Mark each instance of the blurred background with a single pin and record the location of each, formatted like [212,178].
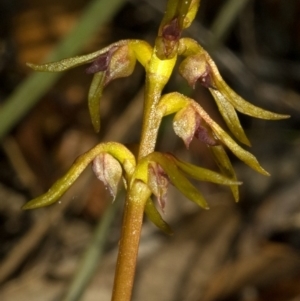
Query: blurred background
[248,251]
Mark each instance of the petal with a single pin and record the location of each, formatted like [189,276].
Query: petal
[203,174]
[101,63]
[238,102]
[230,117]
[94,97]
[243,155]
[205,134]
[154,216]
[226,168]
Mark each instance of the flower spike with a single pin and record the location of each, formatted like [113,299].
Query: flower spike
[152,173]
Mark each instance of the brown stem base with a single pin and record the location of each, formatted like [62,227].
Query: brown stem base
[129,243]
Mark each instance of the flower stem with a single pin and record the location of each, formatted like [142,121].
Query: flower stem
[129,243]
[158,74]
[151,120]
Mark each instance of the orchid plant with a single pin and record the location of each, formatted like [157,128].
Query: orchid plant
[149,173]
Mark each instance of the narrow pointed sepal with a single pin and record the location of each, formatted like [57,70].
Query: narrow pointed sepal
[242,154]
[226,168]
[230,117]
[75,61]
[237,101]
[155,217]
[203,174]
[94,98]
[221,135]
[244,106]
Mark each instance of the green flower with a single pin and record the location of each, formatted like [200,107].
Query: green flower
[114,61]
[110,160]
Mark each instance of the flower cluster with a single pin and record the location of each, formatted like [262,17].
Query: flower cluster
[112,162]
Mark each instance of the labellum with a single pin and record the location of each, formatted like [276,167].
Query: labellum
[109,171]
[195,68]
[185,124]
[205,134]
[101,63]
[158,183]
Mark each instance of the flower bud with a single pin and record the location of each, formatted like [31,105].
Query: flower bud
[168,40]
